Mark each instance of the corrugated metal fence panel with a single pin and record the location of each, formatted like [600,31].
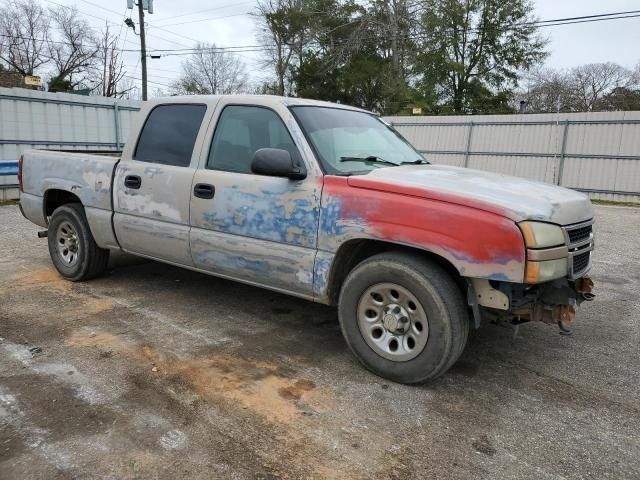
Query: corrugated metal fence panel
[598,153]
[33,119]
[61,117]
[534,168]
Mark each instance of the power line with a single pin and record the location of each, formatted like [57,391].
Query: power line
[204,19]
[268,47]
[588,16]
[538,23]
[101,7]
[206,10]
[148,81]
[83,13]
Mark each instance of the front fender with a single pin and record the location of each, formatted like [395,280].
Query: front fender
[478,243]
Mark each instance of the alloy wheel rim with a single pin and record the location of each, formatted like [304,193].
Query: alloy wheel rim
[68,244]
[393,322]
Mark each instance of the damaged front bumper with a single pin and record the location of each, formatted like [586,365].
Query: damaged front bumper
[553,302]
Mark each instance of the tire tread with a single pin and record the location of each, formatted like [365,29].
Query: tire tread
[449,293]
[97,258]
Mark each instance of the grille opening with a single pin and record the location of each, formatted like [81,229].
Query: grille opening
[580,234]
[581,262]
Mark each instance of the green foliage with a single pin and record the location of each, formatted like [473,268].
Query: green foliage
[58,84]
[620,99]
[445,56]
[472,50]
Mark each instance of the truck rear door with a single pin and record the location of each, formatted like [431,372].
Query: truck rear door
[152,184]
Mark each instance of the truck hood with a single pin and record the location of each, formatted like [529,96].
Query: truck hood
[516,198]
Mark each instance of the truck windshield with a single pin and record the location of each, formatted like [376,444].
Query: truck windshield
[349,142]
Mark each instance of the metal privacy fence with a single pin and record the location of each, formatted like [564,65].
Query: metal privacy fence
[32,119]
[597,153]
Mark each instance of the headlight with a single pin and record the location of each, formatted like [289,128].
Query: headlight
[541,235]
[539,272]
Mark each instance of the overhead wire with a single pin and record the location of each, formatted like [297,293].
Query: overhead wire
[197,12]
[258,47]
[240,49]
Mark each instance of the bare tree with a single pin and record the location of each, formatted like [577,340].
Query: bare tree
[589,83]
[109,71]
[280,25]
[211,71]
[547,91]
[74,49]
[24,36]
[581,89]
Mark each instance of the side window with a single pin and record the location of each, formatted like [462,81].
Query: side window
[169,134]
[243,130]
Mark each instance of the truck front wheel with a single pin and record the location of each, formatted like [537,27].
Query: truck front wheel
[403,317]
[71,245]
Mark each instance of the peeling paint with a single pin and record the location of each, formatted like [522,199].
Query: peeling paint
[285,234]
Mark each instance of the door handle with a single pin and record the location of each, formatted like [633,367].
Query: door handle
[204,190]
[132,181]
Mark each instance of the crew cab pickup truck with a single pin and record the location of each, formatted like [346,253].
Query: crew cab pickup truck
[328,203]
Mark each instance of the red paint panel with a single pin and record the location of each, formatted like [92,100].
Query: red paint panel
[473,239]
[421,192]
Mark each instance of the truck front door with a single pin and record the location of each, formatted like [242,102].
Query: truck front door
[255,228]
[152,184]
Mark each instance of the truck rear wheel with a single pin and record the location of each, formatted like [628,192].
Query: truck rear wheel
[403,317]
[71,245]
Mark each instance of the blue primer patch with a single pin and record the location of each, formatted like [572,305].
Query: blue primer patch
[280,266]
[498,259]
[286,269]
[499,277]
[230,263]
[321,272]
[330,214]
[265,216]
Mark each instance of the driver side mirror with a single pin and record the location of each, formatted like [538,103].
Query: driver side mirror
[276,162]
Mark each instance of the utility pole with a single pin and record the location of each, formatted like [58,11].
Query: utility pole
[143,50]
[142,6]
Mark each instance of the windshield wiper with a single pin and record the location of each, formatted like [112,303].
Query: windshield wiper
[369,159]
[420,161]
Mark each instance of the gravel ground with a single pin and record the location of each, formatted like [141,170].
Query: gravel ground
[158,372]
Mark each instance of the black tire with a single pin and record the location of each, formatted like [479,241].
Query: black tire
[441,300]
[91,260]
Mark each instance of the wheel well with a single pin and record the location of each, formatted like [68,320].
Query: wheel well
[56,198]
[353,252]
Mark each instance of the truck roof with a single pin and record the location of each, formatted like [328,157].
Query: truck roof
[264,100]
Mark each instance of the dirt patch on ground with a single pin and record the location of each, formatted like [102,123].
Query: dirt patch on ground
[297,390]
[257,386]
[80,305]
[38,278]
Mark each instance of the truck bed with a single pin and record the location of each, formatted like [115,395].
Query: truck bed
[87,175]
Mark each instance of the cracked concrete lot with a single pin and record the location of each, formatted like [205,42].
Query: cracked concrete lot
[157,372]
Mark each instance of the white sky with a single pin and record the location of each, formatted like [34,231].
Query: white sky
[617,40]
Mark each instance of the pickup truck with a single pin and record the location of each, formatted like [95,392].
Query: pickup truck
[328,203]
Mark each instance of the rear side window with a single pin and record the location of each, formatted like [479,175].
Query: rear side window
[169,134]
